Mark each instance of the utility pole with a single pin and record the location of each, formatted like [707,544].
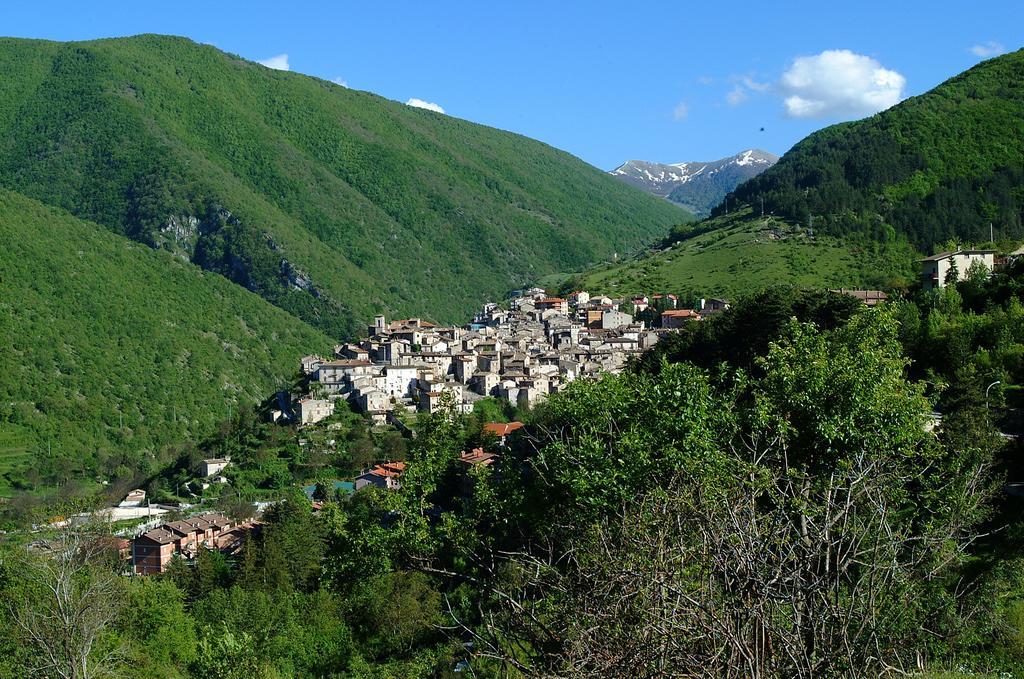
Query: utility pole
[991,233]
[762,207]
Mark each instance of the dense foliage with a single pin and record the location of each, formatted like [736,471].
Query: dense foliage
[741,336]
[942,165]
[112,350]
[762,497]
[331,203]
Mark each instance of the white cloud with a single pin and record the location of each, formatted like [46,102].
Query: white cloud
[742,86]
[339,81]
[705,80]
[839,84]
[749,82]
[681,111]
[429,105]
[278,63]
[988,49]
[737,96]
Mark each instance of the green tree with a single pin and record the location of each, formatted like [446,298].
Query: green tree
[161,633]
[223,654]
[398,611]
[952,274]
[807,532]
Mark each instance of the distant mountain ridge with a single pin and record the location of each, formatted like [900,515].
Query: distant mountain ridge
[330,203]
[697,186]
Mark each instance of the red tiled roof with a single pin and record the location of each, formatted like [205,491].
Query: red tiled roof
[389,469]
[478,456]
[502,428]
[680,313]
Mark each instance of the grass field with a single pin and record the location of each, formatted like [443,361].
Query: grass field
[745,255]
[16,446]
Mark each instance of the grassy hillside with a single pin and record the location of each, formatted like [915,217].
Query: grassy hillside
[113,350]
[741,253]
[331,203]
[942,165]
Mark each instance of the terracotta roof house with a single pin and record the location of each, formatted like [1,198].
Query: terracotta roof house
[477,457]
[502,429]
[153,550]
[868,297]
[676,318]
[386,475]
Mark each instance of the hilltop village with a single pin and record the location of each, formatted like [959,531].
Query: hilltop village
[520,354]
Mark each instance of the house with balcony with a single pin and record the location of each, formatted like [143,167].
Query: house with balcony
[153,550]
[936,270]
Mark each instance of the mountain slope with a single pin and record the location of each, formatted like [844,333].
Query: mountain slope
[113,350]
[736,254]
[330,203]
[698,187]
[942,165]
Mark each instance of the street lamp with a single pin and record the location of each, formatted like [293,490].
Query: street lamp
[986,392]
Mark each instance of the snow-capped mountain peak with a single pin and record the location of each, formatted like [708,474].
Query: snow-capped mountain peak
[697,186]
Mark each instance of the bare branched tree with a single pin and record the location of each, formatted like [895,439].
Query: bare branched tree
[782,573]
[70,596]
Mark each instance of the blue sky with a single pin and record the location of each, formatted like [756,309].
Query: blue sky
[606,81]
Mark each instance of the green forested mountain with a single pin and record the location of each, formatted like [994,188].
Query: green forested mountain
[112,350]
[848,205]
[942,165]
[328,202]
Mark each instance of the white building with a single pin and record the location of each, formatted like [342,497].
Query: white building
[936,269]
[399,381]
[134,499]
[215,465]
[373,401]
[310,364]
[337,375]
[312,410]
[612,320]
